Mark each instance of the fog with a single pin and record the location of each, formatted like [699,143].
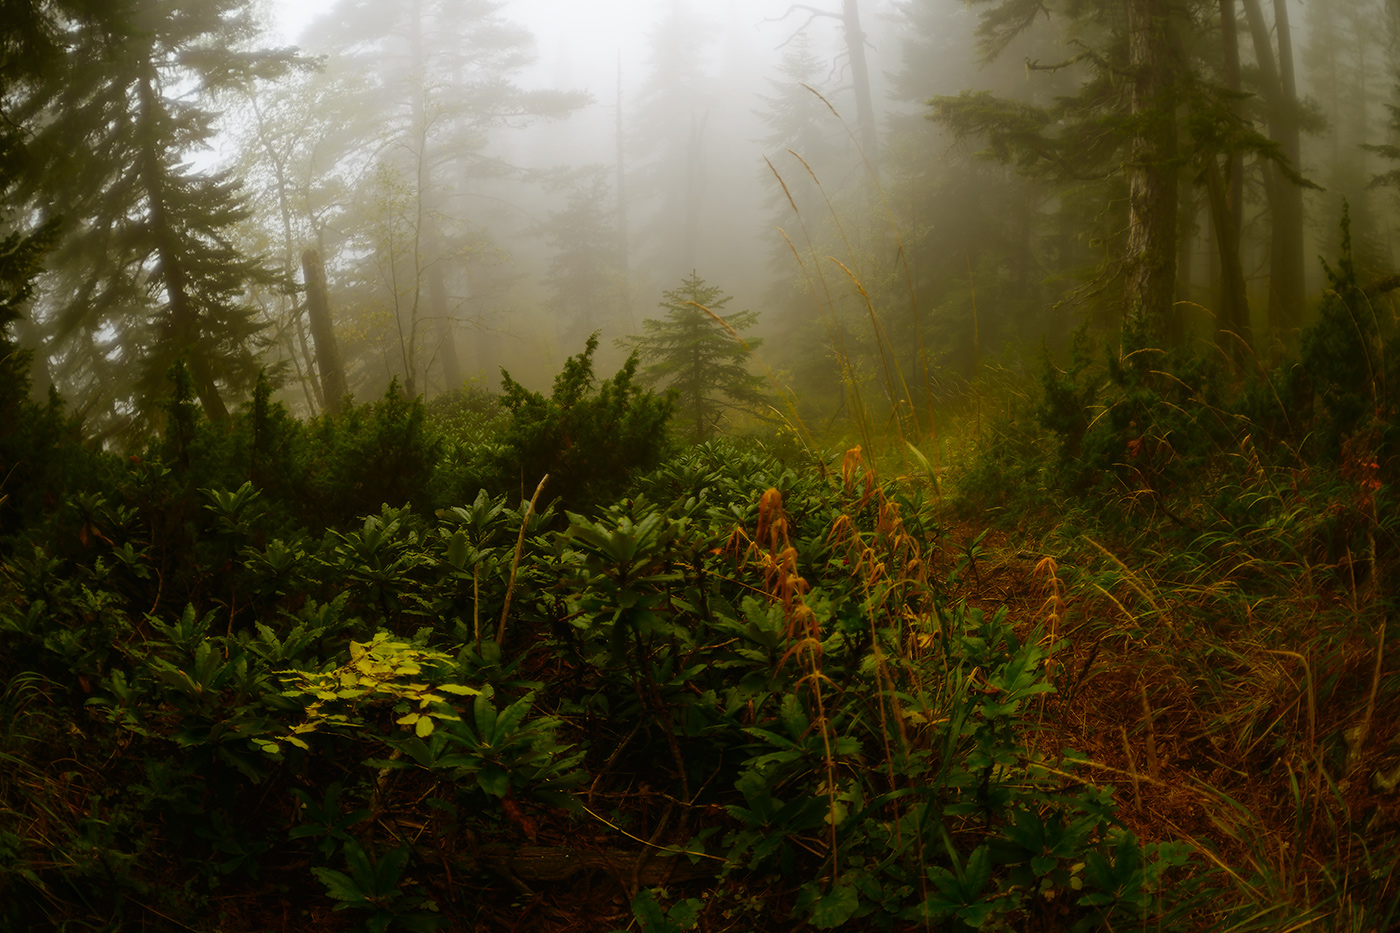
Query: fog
[508,315]
[487,184]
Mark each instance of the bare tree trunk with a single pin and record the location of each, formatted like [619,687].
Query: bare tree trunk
[1225,195]
[1187,214]
[625,295]
[1286,261]
[860,79]
[694,191]
[1234,174]
[279,175]
[1152,175]
[1232,328]
[318,309]
[442,315]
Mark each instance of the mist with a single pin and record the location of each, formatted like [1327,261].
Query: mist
[485,185]
[680,465]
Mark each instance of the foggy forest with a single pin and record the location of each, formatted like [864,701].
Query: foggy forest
[717,465]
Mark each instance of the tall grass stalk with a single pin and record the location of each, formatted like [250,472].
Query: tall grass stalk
[903,254]
[893,372]
[849,379]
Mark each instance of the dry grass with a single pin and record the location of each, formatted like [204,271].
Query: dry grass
[1246,723]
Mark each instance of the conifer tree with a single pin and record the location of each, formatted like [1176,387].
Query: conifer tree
[429,80]
[695,351]
[1157,92]
[673,140]
[585,278]
[149,268]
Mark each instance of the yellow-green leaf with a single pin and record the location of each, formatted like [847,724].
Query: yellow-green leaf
[424,728]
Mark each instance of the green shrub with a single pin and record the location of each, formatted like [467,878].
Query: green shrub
[377,454]
[589,443]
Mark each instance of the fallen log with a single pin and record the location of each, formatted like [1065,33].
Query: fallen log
[646,867]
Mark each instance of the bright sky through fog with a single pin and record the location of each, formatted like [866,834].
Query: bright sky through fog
[584,32]
[581,19]
[293,15]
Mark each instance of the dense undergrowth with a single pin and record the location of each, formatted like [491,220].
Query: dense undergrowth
[1228,542]
[378,672]
[740,696]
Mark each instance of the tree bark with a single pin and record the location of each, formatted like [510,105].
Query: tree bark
[694,191]
[442,315]
[1285,197]
[1234,174]
[860,79]
[1232,328]
[318,309]
[1152,175]
[1225,195]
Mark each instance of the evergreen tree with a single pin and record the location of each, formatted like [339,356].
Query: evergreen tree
[980,283]
[429,81]
[673,139]
[1157,92]
[1342,58]
[585,277]
[696,353]
[149,269]
[802,135]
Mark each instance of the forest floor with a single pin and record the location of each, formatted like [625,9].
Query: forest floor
[1268,741]
[1176,776]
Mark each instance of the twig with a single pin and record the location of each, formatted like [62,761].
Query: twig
[515,563]
[1147,716]
[1132,770]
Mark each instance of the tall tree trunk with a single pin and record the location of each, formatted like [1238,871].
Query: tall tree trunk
[279,177]
[1232,328]
[622,245]
[442,315]
[860,79]
[1187,215]
[1152,174]
[1280,92]
[184,317]
[694,191]
[318,309]
[418,109]
[1225,197]
[1234,174]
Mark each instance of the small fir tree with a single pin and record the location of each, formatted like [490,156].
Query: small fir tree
[696,353]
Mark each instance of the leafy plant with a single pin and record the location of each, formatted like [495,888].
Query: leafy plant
[380,671]
[590,444]
[376,887]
